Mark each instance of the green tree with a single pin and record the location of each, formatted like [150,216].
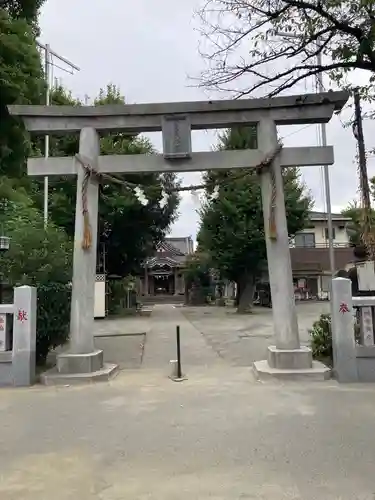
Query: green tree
[355,226]
[244,42]
[61,190]
[27,10]
[128,229]
[38,257]
[34,253]
[21,82]
[197,276]
[232,227]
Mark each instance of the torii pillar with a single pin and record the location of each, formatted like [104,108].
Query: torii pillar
[82,361]
[287,358]
[84,259]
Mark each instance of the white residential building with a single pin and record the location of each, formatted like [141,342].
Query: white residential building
[310,254]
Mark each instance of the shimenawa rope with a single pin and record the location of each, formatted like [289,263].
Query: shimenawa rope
[267,163]
[90,172]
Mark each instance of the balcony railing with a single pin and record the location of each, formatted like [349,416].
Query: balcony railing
[319,245]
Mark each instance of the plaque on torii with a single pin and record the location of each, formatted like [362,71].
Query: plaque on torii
[176,121]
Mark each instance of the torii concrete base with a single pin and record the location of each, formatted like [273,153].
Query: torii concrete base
[78,369]
[290,364]
[53,377]
[72,368]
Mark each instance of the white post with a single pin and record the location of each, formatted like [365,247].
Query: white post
[146,287]
[176,282]
[327,187]
[24,336]
[46,148]
[84,264]
[278,253]
[343,343]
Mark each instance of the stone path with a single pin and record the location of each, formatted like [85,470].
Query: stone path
[217,435]
[160,346]
[242,339]
[209,335]
[122,340]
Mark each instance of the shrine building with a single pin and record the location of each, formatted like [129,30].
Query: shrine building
[163,272]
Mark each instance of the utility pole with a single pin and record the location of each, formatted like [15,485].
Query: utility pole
[47,64]
[46,143]
[327,187]
[367,229]
[358,134]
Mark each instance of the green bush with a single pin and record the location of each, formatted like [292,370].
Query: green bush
[122,296]
[53,318]
[321,338]
[39,257]
[199,288]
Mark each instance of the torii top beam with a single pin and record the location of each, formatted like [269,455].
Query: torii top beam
[136,118]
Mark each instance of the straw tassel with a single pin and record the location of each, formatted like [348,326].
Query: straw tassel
[272,217]
[87,233]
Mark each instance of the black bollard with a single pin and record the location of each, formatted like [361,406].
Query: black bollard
[179,372]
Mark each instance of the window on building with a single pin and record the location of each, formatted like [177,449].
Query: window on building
[333,233]
[304,240]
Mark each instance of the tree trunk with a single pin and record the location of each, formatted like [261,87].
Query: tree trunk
[197,296]
[246,296]
[220,301]
[238,293]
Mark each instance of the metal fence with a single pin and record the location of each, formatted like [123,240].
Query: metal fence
[320,245]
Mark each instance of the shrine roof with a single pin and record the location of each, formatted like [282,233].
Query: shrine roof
[158,261]
[172,251]
[167,248]
[176,247]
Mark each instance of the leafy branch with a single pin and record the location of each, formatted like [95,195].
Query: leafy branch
[246,48]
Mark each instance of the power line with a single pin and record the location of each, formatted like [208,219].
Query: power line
[62,69]
[48,49]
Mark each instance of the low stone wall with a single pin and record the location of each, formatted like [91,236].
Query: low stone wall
[365,363]
[6,373]
[352,362]
[17,366]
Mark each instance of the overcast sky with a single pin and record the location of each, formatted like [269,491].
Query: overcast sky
[149,48]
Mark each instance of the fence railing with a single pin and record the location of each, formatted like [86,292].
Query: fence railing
[319,245]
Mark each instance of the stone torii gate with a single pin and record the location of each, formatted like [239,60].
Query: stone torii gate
[176,121]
